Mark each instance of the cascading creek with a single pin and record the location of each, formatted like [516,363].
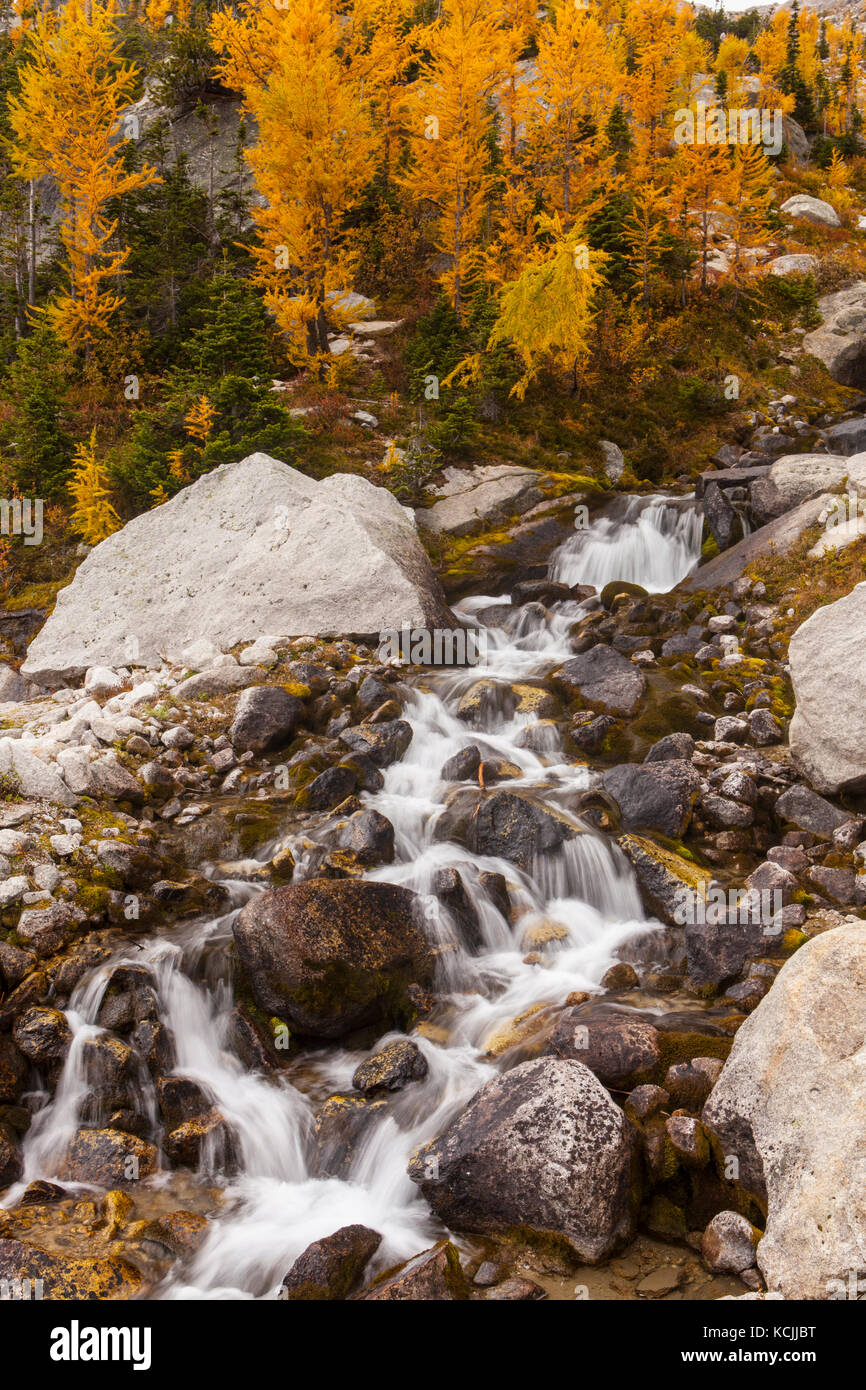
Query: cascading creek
[652,541]
[573,908]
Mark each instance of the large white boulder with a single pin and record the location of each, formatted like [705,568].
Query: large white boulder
[840,342]
[828,671]
[793,265]
[808,209]
[794,478]
[490,493]
[254,547]
[790,1106]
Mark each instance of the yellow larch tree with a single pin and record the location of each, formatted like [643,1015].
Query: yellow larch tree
[746,206]
[655,30]
[547,313]
[702,179]
[515,99]
[731,60]
[66,121]
[693,62]
[93,516]
[578,84]
[314,155]
[450,127]
[379,47]
[644,231]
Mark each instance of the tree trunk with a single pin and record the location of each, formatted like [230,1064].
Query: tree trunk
[31,258]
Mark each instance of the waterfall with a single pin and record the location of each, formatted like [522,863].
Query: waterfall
[276,1199]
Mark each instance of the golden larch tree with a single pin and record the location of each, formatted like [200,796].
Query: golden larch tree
[314,155]
[449,125]
[67,121]
[93,516]
[546,314]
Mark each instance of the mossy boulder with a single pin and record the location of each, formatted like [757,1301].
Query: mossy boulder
[329,1268]
[66,1280]
[665,878]
[434,1276]
[332,955]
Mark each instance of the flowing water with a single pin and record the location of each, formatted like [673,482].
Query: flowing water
[279,1196]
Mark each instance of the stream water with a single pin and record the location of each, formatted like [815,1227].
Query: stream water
[277,1199]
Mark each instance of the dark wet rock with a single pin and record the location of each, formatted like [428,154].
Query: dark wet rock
[182,899]
[729,1243]
[463,766]
[266,717]
[370,836]
[511,825]
[588,732]
[329,1269]
[110,1065]
[367,775]
[41,1193]
[435,1276]
[722,517]
[181,1233]
[604,679]
[11,1166]
[448,887]
[383,743]
[543,1150]
[678,745]
[109,1158]
[802,807]
[154,1044]
[328,790]
[716,951]
[329,956]
[15,964]
[689,1085]
[13,1070]
[654,796]
[259,1047]
[620,977]
[496,888]
[372,693]
[68,1280]
[340,1126]
[180,1098]
[203,1138]
[620,1049]
[545,591]
[129,998]
[391,1068]
[43,1036]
